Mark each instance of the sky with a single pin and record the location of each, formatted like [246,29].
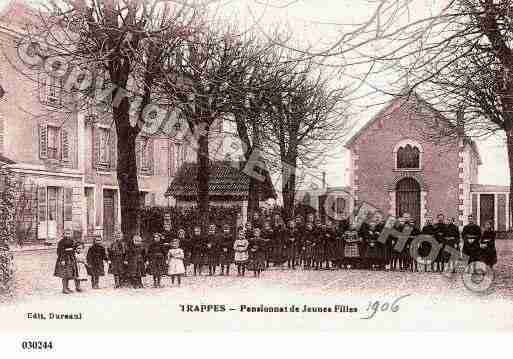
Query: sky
[321,22]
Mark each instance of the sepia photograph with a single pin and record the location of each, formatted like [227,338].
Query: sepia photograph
[255,166]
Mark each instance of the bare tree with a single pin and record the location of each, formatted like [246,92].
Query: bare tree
[123,43]
[195,81]
[306,117]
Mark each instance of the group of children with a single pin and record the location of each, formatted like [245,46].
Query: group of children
[310,244]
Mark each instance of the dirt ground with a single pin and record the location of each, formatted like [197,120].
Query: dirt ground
[430,301]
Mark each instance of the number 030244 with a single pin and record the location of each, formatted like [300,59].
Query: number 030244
[36,345]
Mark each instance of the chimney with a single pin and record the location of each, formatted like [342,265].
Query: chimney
[324,180]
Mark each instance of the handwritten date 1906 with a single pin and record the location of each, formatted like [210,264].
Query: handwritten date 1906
[377,306]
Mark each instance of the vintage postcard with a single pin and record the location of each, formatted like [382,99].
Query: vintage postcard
[272,166]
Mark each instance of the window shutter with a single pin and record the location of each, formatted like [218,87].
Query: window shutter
[138,154]
[68,204]
[41,204]
[113,150]
[149,151]
[43,140]
[65,145]
[96,147]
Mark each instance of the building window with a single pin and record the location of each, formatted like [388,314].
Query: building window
[50,89]
[146,159]
[408,156]
[180,155]
[104,150]
[163,161]
[53,147]
[52,203]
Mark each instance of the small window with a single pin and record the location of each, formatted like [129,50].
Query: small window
[408,157]
[54,140]
[50,89]
[104,155]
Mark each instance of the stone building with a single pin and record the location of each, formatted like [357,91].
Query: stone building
[396,167]
[70,154]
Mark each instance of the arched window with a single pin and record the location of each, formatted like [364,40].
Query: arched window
[408,155]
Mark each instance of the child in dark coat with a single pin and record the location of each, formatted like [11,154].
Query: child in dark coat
[116,254]
[198,250]
[95,257]
[157,255]
[135,259]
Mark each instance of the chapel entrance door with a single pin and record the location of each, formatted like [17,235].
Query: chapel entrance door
[407,198]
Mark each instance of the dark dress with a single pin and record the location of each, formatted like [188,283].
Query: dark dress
[157,255]
[136,258]
[452,239]
[279,255]
[66,254]
[318,246]
[375,251]
[186,245]
[256,255]
[395,253]
[268,243]
[226,249]
[117,253]
[330,243]
[198,250]
[425,247]
[308,245]
[96,256]
[291,238]
[406,252]
[471,235]
[488,252]
[212,250]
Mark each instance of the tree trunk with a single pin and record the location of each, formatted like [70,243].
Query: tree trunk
[127,172]
[253,197]
[203,178]
[509,145]
[288,186]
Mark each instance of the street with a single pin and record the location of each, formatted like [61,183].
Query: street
[430,300]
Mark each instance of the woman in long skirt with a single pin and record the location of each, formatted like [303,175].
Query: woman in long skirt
[66,264]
